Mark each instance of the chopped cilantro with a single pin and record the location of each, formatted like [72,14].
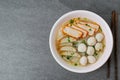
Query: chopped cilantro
[78,18]
[86,54]
[68,57]
[75,43]
[87,24]
[85,19]
[83,54]
[95,54]
[62,56]
[100,28]
[103,45]
[71,21]
[93,46]
[75,64]
[68,39]
[83,41]
[72,54]
[90,29]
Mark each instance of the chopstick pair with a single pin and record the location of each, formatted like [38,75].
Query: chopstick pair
[114,27]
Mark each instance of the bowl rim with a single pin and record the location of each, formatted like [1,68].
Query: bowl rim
[51,45]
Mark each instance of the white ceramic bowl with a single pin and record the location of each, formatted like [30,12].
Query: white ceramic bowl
[93,17]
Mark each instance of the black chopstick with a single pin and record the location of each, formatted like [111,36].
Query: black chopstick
[108,67]
[115,44]
[109,60]
[114,25]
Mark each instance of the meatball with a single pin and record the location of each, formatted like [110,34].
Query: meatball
[98,46]
[91,41]
[91,59]
[90,50]
[99,37]
[83,60]
[82,47]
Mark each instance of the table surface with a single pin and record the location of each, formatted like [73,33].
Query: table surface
[24,34]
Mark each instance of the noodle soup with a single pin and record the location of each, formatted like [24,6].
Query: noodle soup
[80,41]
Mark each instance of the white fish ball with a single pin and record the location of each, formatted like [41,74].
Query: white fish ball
[83,60]
[90,50]
[99,37]
[91,59]
[91,41]
[82,47]
[98,46]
